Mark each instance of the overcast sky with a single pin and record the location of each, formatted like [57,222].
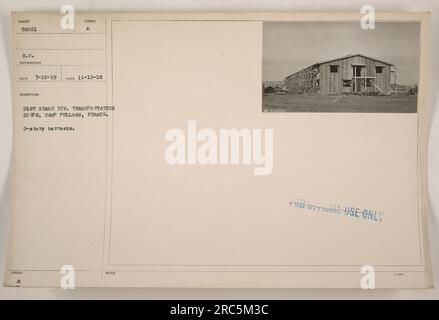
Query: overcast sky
[291,46]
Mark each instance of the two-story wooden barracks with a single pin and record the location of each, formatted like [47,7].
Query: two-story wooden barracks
[357,74]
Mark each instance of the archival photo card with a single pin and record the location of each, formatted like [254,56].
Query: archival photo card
[340,67]
[142,158]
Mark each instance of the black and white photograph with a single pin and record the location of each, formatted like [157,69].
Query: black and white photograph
[340,67]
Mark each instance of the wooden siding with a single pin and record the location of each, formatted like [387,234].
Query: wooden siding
[332,83]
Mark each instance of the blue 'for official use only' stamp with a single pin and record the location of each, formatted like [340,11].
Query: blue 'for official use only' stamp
[354,212]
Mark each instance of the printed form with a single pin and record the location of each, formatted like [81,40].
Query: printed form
[143,157]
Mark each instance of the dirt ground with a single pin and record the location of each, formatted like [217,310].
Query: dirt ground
[351,103]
